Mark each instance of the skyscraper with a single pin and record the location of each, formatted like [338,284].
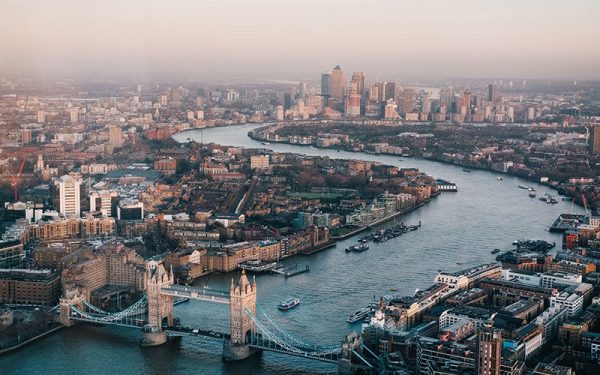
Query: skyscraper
[359,78]
[374,92]
[337,83]
[489,350]
[69,193]
[594,139]
[446,95]
[353,100]
[325,86]
[492,93]
[390,91]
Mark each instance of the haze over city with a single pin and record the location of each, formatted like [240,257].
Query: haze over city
[297,39]
[273,187]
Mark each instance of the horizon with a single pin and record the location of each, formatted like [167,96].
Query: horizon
[267,39]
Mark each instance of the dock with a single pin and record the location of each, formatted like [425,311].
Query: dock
[290,271]
[257,266]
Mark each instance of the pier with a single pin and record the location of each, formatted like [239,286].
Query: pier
[290,271]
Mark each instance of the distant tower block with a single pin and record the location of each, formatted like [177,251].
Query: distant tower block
[242,298]
[160,307]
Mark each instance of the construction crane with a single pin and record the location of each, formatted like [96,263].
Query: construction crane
[15,181]
[585,205]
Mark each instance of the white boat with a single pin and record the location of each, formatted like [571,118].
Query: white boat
[359,315]
[288,304]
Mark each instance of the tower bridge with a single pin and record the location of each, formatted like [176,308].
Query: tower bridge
[251,329]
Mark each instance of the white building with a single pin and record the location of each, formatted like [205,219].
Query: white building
[69,190]
[523,276]
[556,278]
[102,201]
[462,279]
[551,319]
[572,302]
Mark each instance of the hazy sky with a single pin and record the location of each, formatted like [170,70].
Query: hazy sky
[289,38]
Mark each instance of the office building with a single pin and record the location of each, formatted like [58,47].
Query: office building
[353,100]
[115,137]
[337,83]
[29,287]
[594,139]
[69,195]
[492,94]
[326,86]
[489,350]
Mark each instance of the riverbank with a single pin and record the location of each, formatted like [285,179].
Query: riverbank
[23,343]
[380,221]
[555,185]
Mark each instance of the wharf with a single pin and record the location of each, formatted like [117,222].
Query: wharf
[567,222]
[380,221]
[257,267]
[290,271]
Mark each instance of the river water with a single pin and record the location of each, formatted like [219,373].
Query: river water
[460,227]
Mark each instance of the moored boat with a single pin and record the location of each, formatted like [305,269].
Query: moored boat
[359,315]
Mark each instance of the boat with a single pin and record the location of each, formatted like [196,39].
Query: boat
[359,315]
[499,179]
[358,248]
[495,251]
[531,194]
[265,143]
[531,188]
[288,304]
[459,263]
[523,187]
[362,247]
[466,170]
[393,289]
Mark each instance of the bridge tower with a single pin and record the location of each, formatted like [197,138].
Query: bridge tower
[242,298]
[160,307]
[73,297]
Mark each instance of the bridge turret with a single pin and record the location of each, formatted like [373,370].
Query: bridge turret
[242,302]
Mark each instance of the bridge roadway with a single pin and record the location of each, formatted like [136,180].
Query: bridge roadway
[203,294]
[178,331]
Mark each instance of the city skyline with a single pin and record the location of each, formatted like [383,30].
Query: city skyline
[403,40]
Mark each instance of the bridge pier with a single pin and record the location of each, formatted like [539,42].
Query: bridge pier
[153,337]
[236,352]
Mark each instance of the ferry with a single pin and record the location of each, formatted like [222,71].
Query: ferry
[288,304]
[359,315]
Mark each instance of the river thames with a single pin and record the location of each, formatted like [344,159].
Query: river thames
[459,230]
